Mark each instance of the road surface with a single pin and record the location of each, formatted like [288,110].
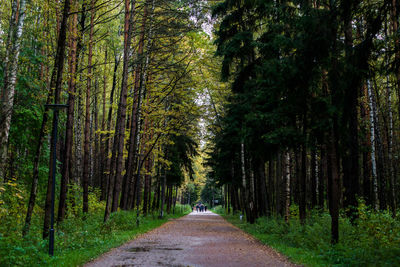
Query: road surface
[197,239]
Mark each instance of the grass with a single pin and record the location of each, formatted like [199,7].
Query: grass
[78,240]
[374,240]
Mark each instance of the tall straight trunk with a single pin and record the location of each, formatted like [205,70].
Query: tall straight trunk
[394,15]
[247,202]
[95,136]
[167,198]
[102,140]
[147,182]
[314,181]
[72,65]
[350,121]
[278,185]
[78,136]
[58,68]
[373,157]
[86,149]
[321,178]
[107,159]
[244,182]
[131,161]
[366,157]
[392,180]
[7,92]
[264,204]
[252,203]
[303,174]
[164,181]
[335,187]
[381,170]
[156,196]
[118,145]
[287,185]
[270,188]
[176,197]
[10,78]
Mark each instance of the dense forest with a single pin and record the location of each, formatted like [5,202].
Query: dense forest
[274,109]
[313,119]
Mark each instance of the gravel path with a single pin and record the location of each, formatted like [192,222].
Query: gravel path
[198,239]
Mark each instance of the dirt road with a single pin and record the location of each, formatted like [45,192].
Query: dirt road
[198,239]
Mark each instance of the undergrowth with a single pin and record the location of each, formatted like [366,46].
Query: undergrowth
[373,240]
[78,238]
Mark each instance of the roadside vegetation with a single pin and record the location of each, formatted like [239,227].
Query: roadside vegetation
[78,239]
[373,240]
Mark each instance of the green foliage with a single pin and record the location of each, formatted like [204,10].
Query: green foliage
[12,202]
[374,239]
[78,239]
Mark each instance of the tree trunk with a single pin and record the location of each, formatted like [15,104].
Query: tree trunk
[102,154]
[10,78]
[118,146]
[134,137]
[72,65]
[335,188]
[303,174]
[322,174]
[287,186]
[107,159]
[373,157]
[394,14]
[314,181]
[164,181]
[58,68]
[86,150]
[392,180]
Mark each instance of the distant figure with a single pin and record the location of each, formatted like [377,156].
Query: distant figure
[197,207]
[205,207]
[201,207]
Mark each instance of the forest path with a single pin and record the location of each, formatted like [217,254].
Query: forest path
[197,239]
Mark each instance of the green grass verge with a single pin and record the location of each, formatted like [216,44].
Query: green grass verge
[78,241]
[373,241]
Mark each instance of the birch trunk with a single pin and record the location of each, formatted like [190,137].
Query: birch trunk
[373,157]
[10,78]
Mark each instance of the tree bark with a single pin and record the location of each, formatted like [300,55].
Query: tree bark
[373,157]
[335,188]
[108,139]
[58,68]
[287,186]
[132,160]
[86,150]
[118,146]
[10,78]
[72,65]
